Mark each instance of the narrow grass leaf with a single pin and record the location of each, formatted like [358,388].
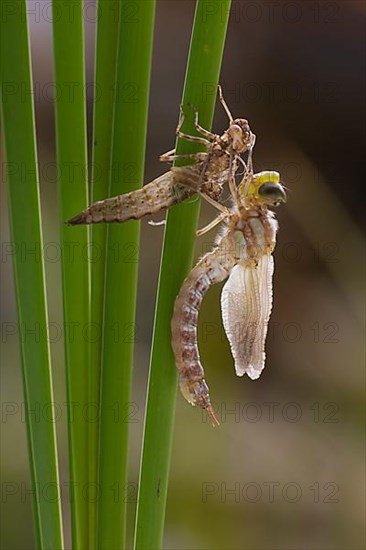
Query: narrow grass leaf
[105,89]
[128,151]
[17,112]
[204,63]
[72,168]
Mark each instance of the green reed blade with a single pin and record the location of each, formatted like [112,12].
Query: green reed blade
[104,86]
[207,44]
[130,120]
[68,34]
[17,112]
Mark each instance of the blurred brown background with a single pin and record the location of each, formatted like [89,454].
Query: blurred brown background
[286,468]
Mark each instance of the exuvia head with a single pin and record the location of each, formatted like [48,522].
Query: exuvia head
[265,188]
[240,135]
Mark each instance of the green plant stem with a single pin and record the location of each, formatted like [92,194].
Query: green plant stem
[25,228]
[105,79]
[72,169]
[207,43]
[128,152]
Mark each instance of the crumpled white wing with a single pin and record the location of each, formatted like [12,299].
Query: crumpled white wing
[246,303]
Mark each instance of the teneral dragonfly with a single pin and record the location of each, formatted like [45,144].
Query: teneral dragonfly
[244,254]
[208,174]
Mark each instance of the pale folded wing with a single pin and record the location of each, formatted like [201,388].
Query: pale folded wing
[246,303]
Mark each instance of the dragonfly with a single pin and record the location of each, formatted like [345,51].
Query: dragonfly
[207,174]
[243,254]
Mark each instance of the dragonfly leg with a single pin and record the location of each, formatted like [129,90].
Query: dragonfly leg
[157,224]
[233,189]
[243,187]
[167,157]
[248,173]
[182,135]
[224,104]
[250,155]
[195,139]
[201,130]
[243,164]
[211,225]
[215,204]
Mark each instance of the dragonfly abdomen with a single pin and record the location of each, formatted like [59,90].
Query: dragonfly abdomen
[213,268]
[158,195]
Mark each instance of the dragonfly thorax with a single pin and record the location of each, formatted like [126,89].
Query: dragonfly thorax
[255,233]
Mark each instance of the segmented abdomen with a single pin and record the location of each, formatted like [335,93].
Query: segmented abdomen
[213,268]
[161,193]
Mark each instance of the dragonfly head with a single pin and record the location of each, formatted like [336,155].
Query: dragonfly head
[265,187]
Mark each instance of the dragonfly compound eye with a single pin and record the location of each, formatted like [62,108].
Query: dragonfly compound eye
[272,193]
